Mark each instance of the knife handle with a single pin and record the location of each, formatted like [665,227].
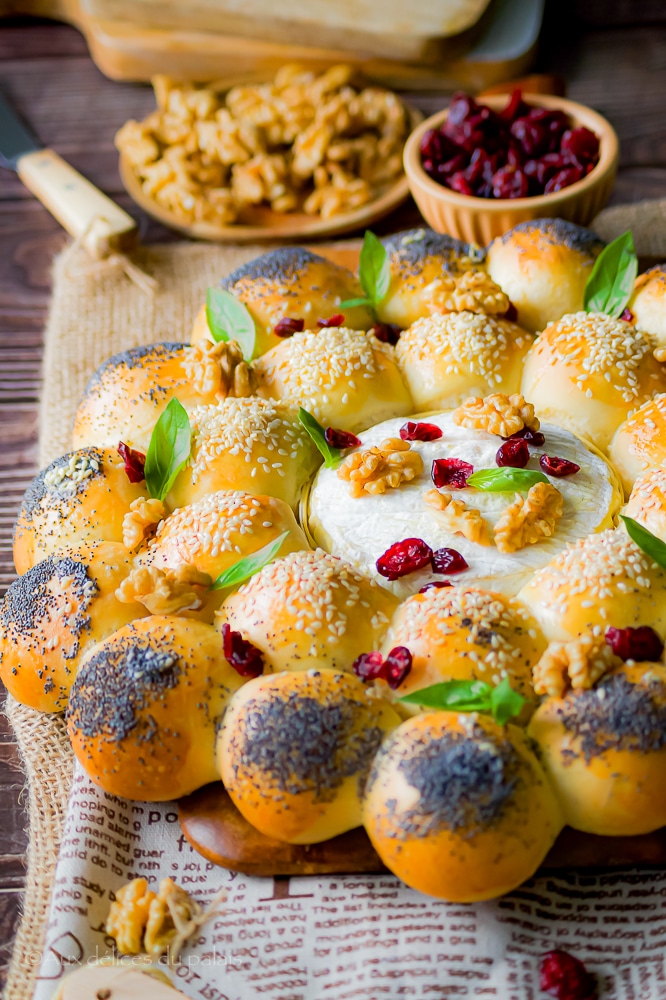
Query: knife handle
[78,206]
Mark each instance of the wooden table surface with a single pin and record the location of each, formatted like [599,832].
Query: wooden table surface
[612,54]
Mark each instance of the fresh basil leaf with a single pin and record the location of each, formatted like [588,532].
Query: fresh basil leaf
[505,703]
[645,540]
[611,282]
[505,480]
[169,449]
[466,696]
[229,319]
[352,303]
[316,431]
[247,567]
[374,269]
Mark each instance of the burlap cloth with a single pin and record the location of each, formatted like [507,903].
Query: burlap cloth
[94,314]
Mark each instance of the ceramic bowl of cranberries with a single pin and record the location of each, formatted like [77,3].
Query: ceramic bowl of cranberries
[479,167]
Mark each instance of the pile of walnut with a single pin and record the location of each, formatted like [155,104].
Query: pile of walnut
[304,142]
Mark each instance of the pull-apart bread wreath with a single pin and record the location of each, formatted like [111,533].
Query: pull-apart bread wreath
[356,547]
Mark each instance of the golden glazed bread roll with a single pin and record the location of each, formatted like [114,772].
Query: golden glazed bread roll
[647,502]
[252,444]
[127,394]
[116,982]
[459,807]
[447,358]
[291,283]
[543,267]
[145,707]
[465,633]
[602,580]
[53,614]
[604,751]
[78,499]
[419,259]
[310,609]
[346,379]
[648,303]
[295,749]
[639,443]
[589,372]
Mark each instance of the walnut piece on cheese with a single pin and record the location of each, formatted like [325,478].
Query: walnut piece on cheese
[458,517]
[380,468]
[529,519]
[497,414]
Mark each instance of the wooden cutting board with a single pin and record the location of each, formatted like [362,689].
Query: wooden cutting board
[214,827]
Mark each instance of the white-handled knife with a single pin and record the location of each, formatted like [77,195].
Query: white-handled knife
[85,212]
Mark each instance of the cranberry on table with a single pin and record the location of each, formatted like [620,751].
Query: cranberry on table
[565,977]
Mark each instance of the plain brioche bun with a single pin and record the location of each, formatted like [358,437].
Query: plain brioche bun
[648,303]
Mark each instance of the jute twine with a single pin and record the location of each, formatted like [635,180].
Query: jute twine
[94,313]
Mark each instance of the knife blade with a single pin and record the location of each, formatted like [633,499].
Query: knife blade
[79,207]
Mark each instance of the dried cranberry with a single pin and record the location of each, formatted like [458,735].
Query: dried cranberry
[448,561]
[458,182]
[562,179]
[431,144]
[369,666]
[554,466]
[565,977]
[340,439]
[451,472]
[397,665]
[582,143]
[515,155]
[532,136]
[246,659]
[435,585]
[288,325]
[449,167]
[401,558]
[135,462]
[627,315]
[641,643]
[535,438]
[510,182]
[388,333]
[462,105]
[514,453]
[511,315]
[336,320]
[516,107]
[419,432]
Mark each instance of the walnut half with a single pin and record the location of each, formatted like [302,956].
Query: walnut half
[218,368]
[497,414]
[578,664]
[457,517]
[141,521]
[527,520]
[165,591]
[378,469]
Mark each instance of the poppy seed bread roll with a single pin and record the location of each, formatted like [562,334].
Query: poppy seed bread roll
[291,283]
[459,807]
[543,266]
[125,397]
[295,749]
[78,499]
[146,705]
[346,379]
[418,260]
[309,609]
[53,614]
[604,751]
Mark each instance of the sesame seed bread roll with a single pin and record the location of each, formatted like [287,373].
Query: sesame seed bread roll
[639,444]
[604,751]
[647,502]
[250,444]
[53,614]
[459,807]
[295,749]
[126,395]
[648,303]
[465,633]
[543,267]
[418,259]
[309,609]
[346,379]
[448,357]
[589,372]
[145,708]
[78,499]
[601,580]
[292,283]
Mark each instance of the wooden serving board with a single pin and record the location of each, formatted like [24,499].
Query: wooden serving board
[214,827]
